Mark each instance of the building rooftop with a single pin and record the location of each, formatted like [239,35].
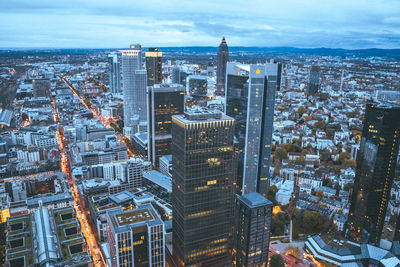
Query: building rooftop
[158,178]
[255,199]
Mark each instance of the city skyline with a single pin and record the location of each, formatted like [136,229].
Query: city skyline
[288,23]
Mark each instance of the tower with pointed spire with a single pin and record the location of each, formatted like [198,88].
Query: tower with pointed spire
[222,58]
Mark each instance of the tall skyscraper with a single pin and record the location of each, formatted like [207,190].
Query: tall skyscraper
[154,66]
[163,102]
[202,188]
[222,59]
[314,84]
[134,89]
[252,218]
[136,237]
[250,100]
[114,73]
[196,86]
[376,162]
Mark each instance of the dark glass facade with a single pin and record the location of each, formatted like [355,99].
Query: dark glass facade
[376,162]
[202,189]
[314,84]
[154,66]
[250,100]
[253,215]
[222,59]
[163,102]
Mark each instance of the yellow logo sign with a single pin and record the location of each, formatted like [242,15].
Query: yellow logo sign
[258,71]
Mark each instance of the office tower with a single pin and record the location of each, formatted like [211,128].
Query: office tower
[134,170]
[250,100]
[314,83]
[114,73]
[154,66]
[196,86]
[202,188]
[178,76]
[222,59]
[163,102]
[136,237]
[131,63]
[140,77]
[252,218]
[376,162]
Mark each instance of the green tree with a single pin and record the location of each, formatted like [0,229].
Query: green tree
[276,260]
[301,111]
[300,161]
[310,220]
[294,251]
[277,170]
[348,186]
[280,154]
[343,156]
[319,194]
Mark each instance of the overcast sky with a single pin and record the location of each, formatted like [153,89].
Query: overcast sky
[117,23]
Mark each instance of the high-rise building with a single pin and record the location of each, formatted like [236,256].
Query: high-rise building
[376,162]
[114,73]
[178,76]
[252,230]
[222,59]
[136,237]
[154,66]
[140,77]
[314,83]
[202,188]
[196,86]
[132,70]
[250,100]
[163,102]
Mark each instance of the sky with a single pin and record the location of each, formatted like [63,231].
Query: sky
[351,24]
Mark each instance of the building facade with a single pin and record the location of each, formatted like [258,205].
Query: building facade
[154,66]
[314,83]
[132,62]
[375,169]
[250,100]
[114,73]
[202,188]
[222,59]
[136,237]
[253,215]
[163,103]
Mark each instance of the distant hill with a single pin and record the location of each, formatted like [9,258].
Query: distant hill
[393,53]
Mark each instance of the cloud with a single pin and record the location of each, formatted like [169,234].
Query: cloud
[117,23]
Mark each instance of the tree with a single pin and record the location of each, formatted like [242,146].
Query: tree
[294,251]
[319,194]
[301,111]
[276,260]
[310,220]
[300,161]
[343,156]
[277,170]
[280,153]
[349,163]
[271,194]
[348,186]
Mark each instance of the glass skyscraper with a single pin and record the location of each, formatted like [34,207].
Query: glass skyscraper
[134,82]
[314,83]
[202,188]
[222,59]
[114,73]
[376,162]
[154,66]
[252,230]
[163,103]
[250,100]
